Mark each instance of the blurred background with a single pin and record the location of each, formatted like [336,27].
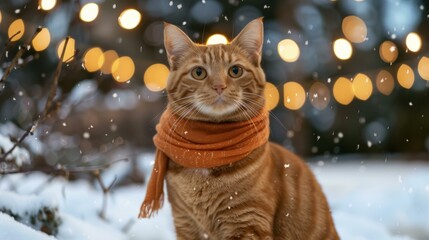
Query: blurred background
[344,77]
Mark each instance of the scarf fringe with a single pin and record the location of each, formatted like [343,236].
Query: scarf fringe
[149,208]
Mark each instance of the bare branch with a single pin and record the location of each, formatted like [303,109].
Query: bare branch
[106,191]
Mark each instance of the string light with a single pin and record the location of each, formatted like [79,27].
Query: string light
[89,12]
[413,42]
[319,95]
[343,49]
[388,52]
[123,69]
[343,91]
[41,40]
[272,96]
[16,30]
[69,50]
[129,18]
[385,83]
[47,4]
[405,76]
[155,77]
[362,86]
[294,95]
[354,29]
[288,50]
[216,39]
[423,68]
[93,59]
[109,57]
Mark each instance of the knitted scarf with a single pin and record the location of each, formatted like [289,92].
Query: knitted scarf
[198,144]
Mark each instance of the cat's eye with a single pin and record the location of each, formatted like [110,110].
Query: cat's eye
[199,73]
[235,71]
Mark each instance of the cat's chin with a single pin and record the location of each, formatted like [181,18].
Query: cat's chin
[217,111]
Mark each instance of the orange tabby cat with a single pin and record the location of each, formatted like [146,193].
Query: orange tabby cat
[216,113]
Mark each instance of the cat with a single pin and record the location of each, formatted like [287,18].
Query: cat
[269,193]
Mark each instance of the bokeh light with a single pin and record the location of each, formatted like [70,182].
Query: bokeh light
[47,4]
[343,91]
[216,39]
[388,52]
[129,18]
[41,41]
[423,68]
[343,49]
[354,29]
[109,57]
[385,82]
[93,59]
[155,77]
[123,69]
[69,50]
[16,30]
[405,76]
[413,42]
[0,17]
[319,95]
[294,95]
[89,12]
[288,50]
[272,96]
[362,86]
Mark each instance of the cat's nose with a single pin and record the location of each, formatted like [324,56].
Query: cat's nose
[219,88]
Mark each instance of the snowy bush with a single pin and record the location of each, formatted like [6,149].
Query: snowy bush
[18,157]
[33,211]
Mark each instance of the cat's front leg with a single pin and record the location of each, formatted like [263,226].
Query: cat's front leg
[187,229]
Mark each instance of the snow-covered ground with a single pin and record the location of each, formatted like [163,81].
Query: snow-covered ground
[381,200]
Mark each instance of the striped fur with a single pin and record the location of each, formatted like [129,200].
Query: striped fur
[270,194]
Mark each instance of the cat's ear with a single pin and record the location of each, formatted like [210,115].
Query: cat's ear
[250,40]
[177,44]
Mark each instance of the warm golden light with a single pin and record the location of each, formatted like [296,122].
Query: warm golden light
[423,68]
[155,77]
[319,95]
[405,76]
[89,12]
[109,57]
[41,40]
[385,82]
[123,69]
[47,4]
[413,42]
[16,30]
[354,28]
[343,91]
[93,59]
[288,50]
[272,96]
[343,49]
[69,50]
[129,18]
[362,86]
[0,17]
[216,39]
[388,52]
[294,95]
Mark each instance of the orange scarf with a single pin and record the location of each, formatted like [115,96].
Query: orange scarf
[197,144]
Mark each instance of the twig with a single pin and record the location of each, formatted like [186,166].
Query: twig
[17,56]
[106,191]
[53,89]
[48,105]
[61,169]
[8,44]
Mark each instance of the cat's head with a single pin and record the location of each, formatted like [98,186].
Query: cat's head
[216,83]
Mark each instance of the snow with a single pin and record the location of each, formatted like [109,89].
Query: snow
[381,200]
